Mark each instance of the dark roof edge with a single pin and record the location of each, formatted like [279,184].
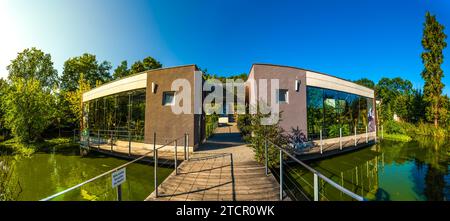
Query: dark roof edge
[303,69]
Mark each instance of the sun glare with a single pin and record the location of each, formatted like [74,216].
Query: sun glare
[10,37]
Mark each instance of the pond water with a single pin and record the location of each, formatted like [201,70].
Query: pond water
[414,171]
[47,173]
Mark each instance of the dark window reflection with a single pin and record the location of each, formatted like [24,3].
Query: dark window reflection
[330,111]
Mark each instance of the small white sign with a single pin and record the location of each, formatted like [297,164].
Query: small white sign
[119,177]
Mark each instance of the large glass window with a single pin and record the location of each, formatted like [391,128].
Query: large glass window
[315,111]
[333,111]
[121,112]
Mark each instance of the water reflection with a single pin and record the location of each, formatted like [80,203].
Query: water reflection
[46,173]
[417,170]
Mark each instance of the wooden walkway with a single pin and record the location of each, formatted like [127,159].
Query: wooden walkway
[331,147]
[222,169]
[120,149]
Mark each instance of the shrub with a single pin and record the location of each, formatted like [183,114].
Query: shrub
[397,137]
[393,127]
[10,188]
[259,133]
[427,129]
[244,125]
[211,124]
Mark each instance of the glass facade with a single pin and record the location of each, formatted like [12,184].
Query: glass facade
[329,110]
[120,112]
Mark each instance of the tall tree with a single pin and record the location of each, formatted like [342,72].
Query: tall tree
[29,109]
[74,99]
[148,63]
[417,110]
[121,70]
[3,91]
[87,65]
[366,82]
[433,43]
[395,95]
[33,64]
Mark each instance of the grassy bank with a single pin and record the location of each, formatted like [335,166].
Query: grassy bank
[397,137]
[402,131]
[12,147]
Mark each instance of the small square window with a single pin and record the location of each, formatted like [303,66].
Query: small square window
[168,98]
[283,96]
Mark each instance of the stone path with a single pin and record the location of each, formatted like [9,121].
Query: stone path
[222,169]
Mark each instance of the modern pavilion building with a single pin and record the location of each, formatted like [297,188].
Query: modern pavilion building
[326,109]
[141,104]
[319,105]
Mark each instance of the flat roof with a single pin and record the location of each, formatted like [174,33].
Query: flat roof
[303,69]
[132,75]
[131,82]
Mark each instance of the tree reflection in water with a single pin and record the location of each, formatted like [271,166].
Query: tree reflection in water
[416,170]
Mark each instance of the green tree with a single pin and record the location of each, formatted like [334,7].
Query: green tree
[33,64]
[89,66]
[433,43]
[366,83]
[121,70]
[148,63]
[3,91]
[395,95]
[417,109]
[74,99]
[29,108]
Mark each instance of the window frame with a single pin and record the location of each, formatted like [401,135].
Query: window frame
[286,101]
[164,94]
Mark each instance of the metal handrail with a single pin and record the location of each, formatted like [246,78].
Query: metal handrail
[315,172]
[167,144]
[123,166]
[95,178]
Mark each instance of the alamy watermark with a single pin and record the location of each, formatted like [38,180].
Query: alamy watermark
[229,98]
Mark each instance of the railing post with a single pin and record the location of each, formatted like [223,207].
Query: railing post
[281,175]
[266,158]
[119,192]
[321,143]
[340,138]
[316,187]
[155,160]
[185,145]
[129,143]
[88,139]
[112,141]
[367,138]
[382,132]
[98,139]
[355,137]
[375,133]
[176,158]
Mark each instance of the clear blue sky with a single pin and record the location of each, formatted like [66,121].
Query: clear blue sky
[349,39]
